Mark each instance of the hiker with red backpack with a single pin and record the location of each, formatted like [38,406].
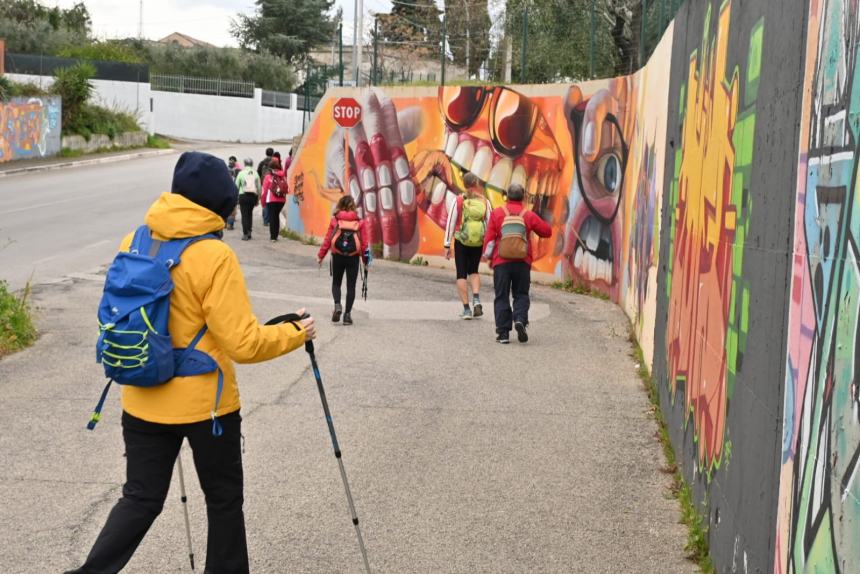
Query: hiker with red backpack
[507,246]
[173,318]
[467,224]
[274,196]
[347,237]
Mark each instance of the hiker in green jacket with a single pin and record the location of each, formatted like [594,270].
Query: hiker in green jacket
[248,182]
[467,223]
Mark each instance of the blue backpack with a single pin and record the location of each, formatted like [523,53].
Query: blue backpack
[134,345]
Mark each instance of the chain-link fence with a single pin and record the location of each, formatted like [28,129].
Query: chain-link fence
[505,41]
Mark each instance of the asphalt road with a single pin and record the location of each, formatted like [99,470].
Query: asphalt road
[464,456]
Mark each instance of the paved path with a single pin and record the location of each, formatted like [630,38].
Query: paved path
[464,456]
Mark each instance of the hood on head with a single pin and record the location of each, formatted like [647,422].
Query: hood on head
[173,216]
[205,180]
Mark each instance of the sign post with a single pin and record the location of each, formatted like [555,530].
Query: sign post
[346,113]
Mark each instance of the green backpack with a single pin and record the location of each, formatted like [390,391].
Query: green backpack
[473,226]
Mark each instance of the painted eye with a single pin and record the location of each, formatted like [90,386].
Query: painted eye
[609,172]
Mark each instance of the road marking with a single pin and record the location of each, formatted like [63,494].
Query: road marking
[58,255]
[50,203]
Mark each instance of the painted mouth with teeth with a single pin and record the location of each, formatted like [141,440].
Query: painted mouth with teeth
[500,136]
[593,259]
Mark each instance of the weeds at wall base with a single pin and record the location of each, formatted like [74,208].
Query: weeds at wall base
[697,533]
[579,288]
[296,236]
[16,323]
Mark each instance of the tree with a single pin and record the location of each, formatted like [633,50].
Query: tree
[30,27]
[468,23]
[414,25]
[287,28]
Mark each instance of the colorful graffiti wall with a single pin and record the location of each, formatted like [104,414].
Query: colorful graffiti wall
[590,156]
[673,191]
[819,502]
[29,128]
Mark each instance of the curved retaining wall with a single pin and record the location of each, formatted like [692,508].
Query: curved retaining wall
[711,195]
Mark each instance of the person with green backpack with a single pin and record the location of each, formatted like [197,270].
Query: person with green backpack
[467,224]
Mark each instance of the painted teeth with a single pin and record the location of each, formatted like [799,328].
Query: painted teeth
[451,144]
[483,163]
[591,267]
[439,191]
[500,175]
[519,176]
[592,235]
[465,154]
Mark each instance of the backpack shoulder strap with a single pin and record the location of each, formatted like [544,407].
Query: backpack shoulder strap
[505,209]
[171,251]
[142,240]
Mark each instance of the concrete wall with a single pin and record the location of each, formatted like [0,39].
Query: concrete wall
[29,128]
[713,195]
[129,97]
[220,118]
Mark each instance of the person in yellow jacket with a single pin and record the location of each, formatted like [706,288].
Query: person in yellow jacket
[208,289]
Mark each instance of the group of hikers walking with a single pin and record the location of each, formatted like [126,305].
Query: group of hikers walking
[267,185]
[170,333]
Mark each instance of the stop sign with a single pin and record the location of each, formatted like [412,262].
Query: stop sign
[346,112]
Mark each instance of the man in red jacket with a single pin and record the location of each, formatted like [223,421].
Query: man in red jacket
[512,276]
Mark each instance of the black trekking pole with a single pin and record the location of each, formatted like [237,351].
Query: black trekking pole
[309,347]
[364,282]
[184,499]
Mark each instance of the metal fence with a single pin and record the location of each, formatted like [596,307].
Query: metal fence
[41,65]
[272,99]
[305,103]
[204,86]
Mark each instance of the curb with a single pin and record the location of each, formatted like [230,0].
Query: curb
[85,162]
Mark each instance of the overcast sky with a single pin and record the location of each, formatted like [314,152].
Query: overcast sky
[207,20]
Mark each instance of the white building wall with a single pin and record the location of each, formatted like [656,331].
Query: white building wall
[129,97]
[192,116]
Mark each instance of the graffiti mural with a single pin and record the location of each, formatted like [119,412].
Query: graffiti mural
[407,157]
[29,128]
[818,525]
[709,207]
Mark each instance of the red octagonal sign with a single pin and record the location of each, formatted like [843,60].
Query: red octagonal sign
[346,112]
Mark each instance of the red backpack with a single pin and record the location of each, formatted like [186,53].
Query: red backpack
[347,239]
[279,186]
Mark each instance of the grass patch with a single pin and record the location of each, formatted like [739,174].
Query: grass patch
[69,152]
[296,236]
[157,142]
[16,321]
[419,261]
[579,288]
[697,530]
[91,120]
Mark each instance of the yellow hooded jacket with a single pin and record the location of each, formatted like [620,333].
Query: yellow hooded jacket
[208,289]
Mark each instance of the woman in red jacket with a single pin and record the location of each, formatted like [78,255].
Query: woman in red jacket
[274,196]
[347,237]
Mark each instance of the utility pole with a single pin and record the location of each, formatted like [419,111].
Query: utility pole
[509,56]
[591,42]
[643,29]
[525,45]
[374,77]
[340,51]
[468,38]
[140,22]
[444,41]
[357,40]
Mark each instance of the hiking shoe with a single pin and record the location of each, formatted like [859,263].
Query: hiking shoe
[246,237]
[347,319]
[466,314]
[335,317]
[478,310]
[522,335]
[503,338]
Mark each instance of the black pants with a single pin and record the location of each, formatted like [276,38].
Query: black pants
[466,259]
[247,203]
[511,279]
[151,451]
[274,219]
[339,265]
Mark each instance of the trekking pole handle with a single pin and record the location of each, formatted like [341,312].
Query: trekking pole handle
[293,318]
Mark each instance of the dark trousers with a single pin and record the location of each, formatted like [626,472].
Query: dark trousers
[339,265]
[266,215]
[511,279]
[151,451]
[247,203]
[274,219]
